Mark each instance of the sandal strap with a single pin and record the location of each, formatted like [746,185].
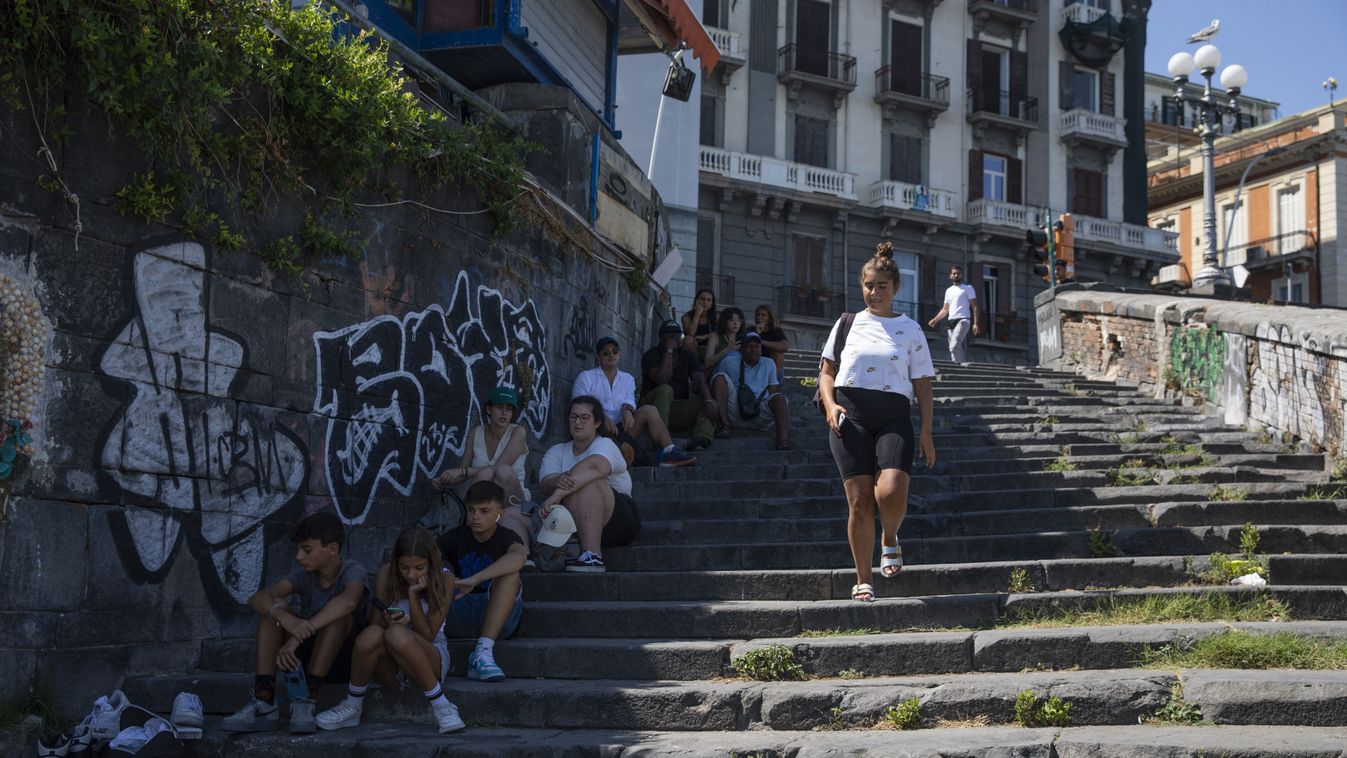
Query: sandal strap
[862,589]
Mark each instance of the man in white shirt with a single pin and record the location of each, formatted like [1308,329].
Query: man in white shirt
[747,369]
[616,390]
[961,307]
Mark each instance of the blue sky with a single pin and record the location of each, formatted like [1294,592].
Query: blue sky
[1289,47]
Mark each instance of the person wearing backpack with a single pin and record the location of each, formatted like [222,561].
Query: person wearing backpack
[874,364]
[748,393]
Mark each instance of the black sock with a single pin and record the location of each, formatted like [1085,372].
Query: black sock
[315,682]
[264,688]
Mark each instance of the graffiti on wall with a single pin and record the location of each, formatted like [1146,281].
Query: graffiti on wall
[1197,360]
[183,453]
[1288,384]
[579,339]
[401,392]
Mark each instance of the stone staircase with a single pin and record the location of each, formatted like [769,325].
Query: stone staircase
[1085,492]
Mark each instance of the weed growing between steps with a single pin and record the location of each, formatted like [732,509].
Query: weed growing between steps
[774,663]
[1060,465]
[1020,581]
[1177,711]
[1324,492]
[1224,569]
[1238,649]
[1158,609]
[1224,494]
[1339,472]
[1102,544]
[906,715]
[1053,711]
[1132,473]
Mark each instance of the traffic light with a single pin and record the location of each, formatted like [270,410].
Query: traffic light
[1036,244]
[1064,244]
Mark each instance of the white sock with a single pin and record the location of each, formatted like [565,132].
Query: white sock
[356,694]
[485,645]
[435,695]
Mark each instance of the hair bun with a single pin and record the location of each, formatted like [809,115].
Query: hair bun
[884,250]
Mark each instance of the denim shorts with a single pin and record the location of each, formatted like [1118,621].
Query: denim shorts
[467,613]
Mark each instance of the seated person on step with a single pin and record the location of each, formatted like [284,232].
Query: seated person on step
[669,375]
[317,637]
[616,389]
[496,452]
[748,394]
[485,562]
[588,477]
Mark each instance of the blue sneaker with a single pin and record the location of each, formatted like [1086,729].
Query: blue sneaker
[482,666]
[675,457]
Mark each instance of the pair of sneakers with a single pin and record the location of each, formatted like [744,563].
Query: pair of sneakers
[101,726]
[347,714]
[260,716]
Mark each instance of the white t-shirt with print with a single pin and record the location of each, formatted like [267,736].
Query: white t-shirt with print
[622,391]
[883,354]
[560,458]
[959,298]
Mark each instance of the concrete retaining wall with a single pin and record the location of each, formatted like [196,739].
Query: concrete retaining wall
[1275,367]
[195,404]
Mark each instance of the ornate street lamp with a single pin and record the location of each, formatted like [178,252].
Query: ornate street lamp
[1210,111]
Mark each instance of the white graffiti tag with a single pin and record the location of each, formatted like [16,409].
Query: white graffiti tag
[182,446]
[401,393]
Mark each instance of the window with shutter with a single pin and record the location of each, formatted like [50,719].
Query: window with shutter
[905,58]
[1015,190]
[708,132]
[812,21]
[810,263]
[711,13]
[811,141]
[974,175]
[1085,89]
[1107,97]
[994,175]
[905,159]
[1087,192]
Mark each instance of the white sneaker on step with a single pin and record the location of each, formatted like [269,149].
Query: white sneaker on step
[447,717]
[340,716]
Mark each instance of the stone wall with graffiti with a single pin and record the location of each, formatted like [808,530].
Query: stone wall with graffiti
[194,404]
[1274,367]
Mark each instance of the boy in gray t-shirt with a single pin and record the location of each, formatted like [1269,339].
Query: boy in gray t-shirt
[317,635]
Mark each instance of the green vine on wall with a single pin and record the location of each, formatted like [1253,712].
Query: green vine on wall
[242,106]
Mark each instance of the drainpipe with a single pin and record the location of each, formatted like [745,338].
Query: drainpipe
[594,180]
[846,257]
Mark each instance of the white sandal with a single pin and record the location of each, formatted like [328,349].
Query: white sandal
[863,593]
[890,557]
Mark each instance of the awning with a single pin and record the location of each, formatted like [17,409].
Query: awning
[665,25]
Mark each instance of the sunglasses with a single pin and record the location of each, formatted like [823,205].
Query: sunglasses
[610,351]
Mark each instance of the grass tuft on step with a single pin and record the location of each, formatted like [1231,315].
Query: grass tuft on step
[1158,609]
[1238,649]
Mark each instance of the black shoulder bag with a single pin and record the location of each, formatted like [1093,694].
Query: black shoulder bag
[843,328]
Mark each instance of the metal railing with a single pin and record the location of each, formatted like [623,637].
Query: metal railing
[720,284]
[805,60]
[1006,327]
[1276,246]
[998,102]
[811,301]
[916,84]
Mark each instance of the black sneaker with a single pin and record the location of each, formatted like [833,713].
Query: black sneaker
[587,563]
[675,457]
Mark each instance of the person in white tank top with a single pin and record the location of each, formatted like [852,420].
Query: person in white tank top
[496,452]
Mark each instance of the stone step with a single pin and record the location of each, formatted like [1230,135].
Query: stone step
[420,741]
[747,531]
[1097,697]
[915,580]
[777,618]
[1152,541]
[871,655]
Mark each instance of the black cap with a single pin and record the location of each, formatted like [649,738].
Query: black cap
[751,336]
[670,326]
[604,342]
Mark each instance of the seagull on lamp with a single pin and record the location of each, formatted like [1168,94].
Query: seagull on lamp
[1207,33]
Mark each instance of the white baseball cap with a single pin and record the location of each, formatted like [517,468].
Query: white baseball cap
[557,527]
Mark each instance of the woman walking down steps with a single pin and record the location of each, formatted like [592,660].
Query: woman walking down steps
[867,388]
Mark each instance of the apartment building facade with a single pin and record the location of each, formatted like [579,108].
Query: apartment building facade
[1281,239]
[948,128]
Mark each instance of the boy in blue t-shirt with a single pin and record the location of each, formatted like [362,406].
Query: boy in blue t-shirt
[747,369]
[313,637]
[488,594]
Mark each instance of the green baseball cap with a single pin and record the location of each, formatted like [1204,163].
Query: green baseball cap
[504,396]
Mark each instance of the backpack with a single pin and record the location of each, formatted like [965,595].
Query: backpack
[843,328]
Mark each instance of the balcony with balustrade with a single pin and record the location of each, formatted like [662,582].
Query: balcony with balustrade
[771,173]
[1080,126]
[1001,218]
[996,107]
[1087,29]
[805,67]
[1124,237]
[916,198]
[1016,13]
[733,51]
[911,90]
